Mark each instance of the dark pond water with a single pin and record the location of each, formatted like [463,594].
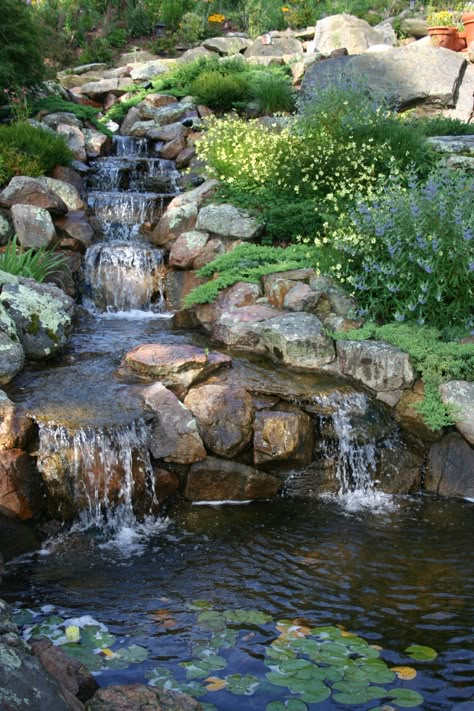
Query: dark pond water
[401,576]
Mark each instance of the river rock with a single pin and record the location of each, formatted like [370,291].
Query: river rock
[187,248]
[32,191]
[34,227]
[460,395]
[213,248]
[281,435]
[77,227]
[224,416]
[300,297]
[75,140]
[226,46]
[54,119]
[450,470]
[225,220]
[15,429]
[19,484]
[219,480]
[135,697]
[280,47]
[379,366]
[174,434]
[65,191]
[176,366]
[347,31]
[24,683]
[405,76]
[181,214]
[42,314]
[297,340]
[12,355]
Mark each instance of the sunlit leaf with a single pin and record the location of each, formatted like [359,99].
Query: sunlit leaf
[421,653]
[107,652]
[406,698]
[405,673]
[290,705]
[214,683]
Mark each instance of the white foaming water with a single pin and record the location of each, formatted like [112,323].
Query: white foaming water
[135,315]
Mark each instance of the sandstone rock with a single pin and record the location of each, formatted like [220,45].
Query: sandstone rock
[172,148]
[70,673]
[160,99]
[301,297]
[98,89]
[15,429]
[133,697]
[282,436]
[319,477]
[218,480]
[279,47]
[42,314]
[181,214]
[226,46]
[213,248]
[34,192]
[178,367]
[96,143]
[450,469]
[224,417]
[460,395]
[129,121]
[174,434]
[64,191]
[396,75]
[75,140]
[379,366]
[185,157]
[33,226]
[6,227]
[19,484]
[293,275]
[148,70]
[297,340]
[166,483]
[226,220]
[347,31]
[187,248]
[76,226]
[168,132]
[236,296]
[12,356]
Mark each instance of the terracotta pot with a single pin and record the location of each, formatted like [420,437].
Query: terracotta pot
[460,42]
[443,36]
[468,22]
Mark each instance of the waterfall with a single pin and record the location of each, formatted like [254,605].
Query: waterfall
[99,473]
[123,277]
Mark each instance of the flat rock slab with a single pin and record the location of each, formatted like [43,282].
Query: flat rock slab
[405,76]
[177,366]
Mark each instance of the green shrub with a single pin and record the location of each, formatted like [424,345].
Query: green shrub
[21,62]
[27,150]
[272,93]
[407,253]
[33,264]
[248,263]
[442,126]
[117,37]
[83,112]
[172,12]
[97,50]
[220,92]
[435,360]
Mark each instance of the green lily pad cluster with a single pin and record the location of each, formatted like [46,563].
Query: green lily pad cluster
[84,639]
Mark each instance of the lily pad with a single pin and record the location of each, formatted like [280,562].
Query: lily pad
[24,617]
[290,705]
[159,676]
[247,617]
[203,666]
[212,620]
[406,698]
[134,654]
[404,673]
[421,653]
[360,696]
[242,685]
[96,638]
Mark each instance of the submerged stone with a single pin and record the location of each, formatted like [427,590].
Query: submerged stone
[138,696]
[219,480]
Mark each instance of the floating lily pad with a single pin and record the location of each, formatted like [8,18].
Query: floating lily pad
[203,666]
[404,673]
[317,696]
[200,605]
[24,617]
[278,652]
[406,698]
[361,696]
[290,705]
[421,653]
[159,676]
[212,620]
[96,638]
[242,685]
[247,617]
[134,654]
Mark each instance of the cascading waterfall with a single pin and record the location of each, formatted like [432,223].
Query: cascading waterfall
[97,472]
[123,277]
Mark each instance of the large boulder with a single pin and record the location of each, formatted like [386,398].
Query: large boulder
[187,248]
[226,220]
[283,435]
[459,394]
[239,327]
[379,366]
[278,47]
[181,214]
[134,697]
[12,355]
[226,46]
[405,76]
[64,191]
[98,89]
[450,470]
[34,226]
[32,191]
[298,340]
[347,31]
[219,480]
[15,429]
[19,484]
[148,70]
[174,436]
[224,416]
[42,314]
[176,366]
[75,139]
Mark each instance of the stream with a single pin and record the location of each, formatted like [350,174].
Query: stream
[223,591]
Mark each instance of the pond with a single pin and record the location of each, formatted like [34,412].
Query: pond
[222,596]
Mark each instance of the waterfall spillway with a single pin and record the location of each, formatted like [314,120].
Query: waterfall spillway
[98,472]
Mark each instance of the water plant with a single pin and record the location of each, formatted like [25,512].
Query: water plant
[30,263]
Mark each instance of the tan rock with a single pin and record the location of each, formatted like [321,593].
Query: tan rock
[187,248]
[219,480]
[31,191]
[282,436]
[19,484]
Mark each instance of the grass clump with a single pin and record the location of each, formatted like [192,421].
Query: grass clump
[435,360]
[247,263]
[30,263]
[52,104]
[27,150]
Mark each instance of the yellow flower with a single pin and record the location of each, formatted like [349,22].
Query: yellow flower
[285,9]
